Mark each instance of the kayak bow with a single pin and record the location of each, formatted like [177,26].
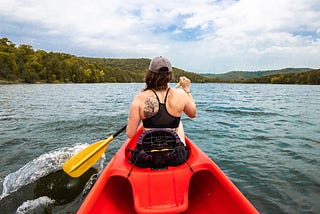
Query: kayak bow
[198,186]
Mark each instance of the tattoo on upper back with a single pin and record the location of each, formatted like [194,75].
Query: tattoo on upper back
[151,107]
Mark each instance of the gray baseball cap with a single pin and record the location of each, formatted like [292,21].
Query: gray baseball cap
[160,64]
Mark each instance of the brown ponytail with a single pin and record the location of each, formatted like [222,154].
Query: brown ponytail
[157,81]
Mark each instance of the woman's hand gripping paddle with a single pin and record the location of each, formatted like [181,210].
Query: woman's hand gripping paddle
[86,158]
[179,83]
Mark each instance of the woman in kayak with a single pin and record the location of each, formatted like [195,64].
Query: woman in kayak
[158,105]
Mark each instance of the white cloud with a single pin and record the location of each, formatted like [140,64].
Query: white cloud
[201,36]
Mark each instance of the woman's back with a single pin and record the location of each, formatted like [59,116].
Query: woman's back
[145,106]
[176,103]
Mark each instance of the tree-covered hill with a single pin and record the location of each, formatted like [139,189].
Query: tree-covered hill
[25,65]
[243,75]
[311,77]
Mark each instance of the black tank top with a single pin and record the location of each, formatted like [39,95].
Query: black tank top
[162,119]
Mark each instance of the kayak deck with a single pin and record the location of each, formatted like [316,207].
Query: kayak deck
[198,186]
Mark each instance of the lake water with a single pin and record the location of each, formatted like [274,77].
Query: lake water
[266,138]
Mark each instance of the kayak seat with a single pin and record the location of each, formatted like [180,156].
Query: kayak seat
[158,149]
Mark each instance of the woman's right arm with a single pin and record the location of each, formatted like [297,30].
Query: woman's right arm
[133,119]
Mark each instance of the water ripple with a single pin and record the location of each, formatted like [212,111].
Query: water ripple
[264,137]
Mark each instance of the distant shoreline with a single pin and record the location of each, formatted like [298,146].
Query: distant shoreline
[4,82]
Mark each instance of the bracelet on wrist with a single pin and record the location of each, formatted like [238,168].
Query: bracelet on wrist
[187,91]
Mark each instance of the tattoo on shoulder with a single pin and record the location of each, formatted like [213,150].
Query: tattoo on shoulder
[151,107]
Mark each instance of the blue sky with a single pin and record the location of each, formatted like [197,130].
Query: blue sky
[202,36]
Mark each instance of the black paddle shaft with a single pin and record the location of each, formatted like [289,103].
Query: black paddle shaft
[119,131]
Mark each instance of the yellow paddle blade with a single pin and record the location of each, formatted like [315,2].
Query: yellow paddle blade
[82,161]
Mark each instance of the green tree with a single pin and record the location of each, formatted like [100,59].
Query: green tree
[23,52]
[8,66]
[7,46]
[314,77]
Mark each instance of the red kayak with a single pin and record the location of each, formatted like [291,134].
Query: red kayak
[197,186]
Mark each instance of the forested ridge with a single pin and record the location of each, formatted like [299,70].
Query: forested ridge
[311,77]
[23,64]
[242,75]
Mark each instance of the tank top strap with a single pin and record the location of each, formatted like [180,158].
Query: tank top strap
[165,99]
[156,94]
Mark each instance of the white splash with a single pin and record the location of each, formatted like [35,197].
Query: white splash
[45,164]
[30,205]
